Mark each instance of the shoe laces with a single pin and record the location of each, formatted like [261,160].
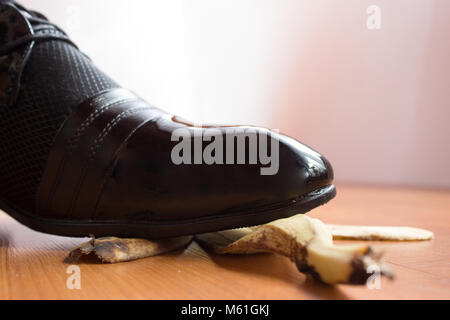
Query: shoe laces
[43,30]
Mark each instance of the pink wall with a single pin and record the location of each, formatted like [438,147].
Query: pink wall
[375,102]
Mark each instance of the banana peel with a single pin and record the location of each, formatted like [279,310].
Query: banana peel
[115,250]
[371,233]
[306,241]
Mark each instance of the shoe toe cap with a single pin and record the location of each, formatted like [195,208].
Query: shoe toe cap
[146,182]
[308,169]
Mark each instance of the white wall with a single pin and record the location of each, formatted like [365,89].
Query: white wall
[375,102]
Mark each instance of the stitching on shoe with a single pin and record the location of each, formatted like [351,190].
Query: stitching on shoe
[111,164]
[94,149]
[74,140]
[100,138]
[71,147]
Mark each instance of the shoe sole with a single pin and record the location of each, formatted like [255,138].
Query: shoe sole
[158,229]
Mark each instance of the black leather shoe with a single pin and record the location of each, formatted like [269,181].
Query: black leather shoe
[80,155]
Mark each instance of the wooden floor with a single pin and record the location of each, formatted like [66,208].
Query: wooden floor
[32,267]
